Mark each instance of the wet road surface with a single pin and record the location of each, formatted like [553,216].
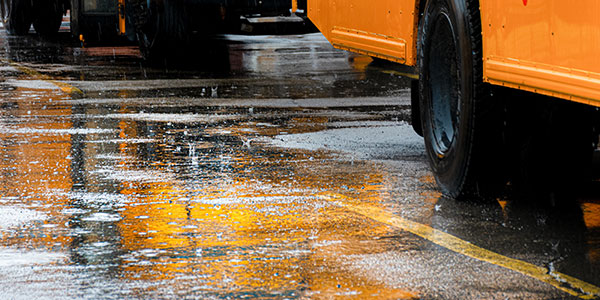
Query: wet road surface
[264,167]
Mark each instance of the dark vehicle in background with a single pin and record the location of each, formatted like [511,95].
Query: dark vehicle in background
[159,26]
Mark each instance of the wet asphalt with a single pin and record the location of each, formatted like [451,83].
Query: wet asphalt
[269,167]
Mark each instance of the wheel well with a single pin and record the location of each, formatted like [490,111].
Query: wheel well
[415,103]
[420,8]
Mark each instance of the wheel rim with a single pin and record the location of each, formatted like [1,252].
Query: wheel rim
[445,86]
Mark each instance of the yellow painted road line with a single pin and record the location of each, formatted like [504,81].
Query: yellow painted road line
[563,282]
[65,87]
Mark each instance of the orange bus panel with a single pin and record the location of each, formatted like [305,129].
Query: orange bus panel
[383,28]
[549,47]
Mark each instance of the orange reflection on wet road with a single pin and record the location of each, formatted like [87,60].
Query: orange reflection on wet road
[36,164]
[240,234]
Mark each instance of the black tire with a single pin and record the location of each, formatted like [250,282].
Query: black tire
[461,125]
[48,17]
[16,16]
[161,28]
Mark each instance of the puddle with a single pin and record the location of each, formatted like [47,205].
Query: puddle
[94,199]
[123,141]
[32,84]
[378,142]
[16,258]
[173,118]
[14,217]
[102,217]
[134,175]
[72,131]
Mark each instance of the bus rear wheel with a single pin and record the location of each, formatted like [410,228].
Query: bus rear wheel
[16,16]
[162,28]
[48,17]
[461,128]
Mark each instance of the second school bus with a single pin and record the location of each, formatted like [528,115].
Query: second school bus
[507,91]
[161,27]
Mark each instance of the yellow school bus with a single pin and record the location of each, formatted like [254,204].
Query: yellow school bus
[490,76]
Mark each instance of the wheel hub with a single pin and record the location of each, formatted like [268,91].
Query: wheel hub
[445,89]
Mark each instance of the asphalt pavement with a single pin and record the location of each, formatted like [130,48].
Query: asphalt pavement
[268,167]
